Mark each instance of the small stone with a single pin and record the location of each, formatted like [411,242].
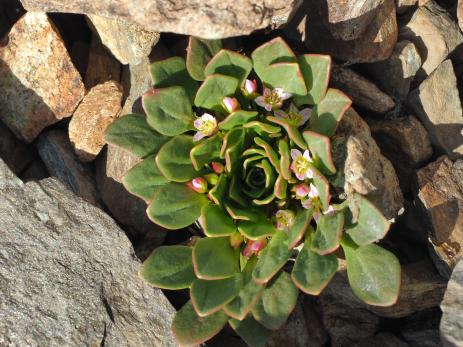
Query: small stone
[363,92]
[437,103]
[403,6]
[451,330]
[39,84]
[362,167]
[57,153]
[395,74]
[435,35]
[128,42]
[99,108]
[441,200]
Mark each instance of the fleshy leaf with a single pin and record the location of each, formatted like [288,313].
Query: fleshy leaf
[277,302]
[144,179]
[214,258]
[206,152]
[255,230]
[320,147]
[208,297]
[216,222]
[175,206]
[253,333]
[285,159]
[328,235]
[169,267]
[174,161]
[323,187]
[168,110]
[237,118]
[191,330]
[133,133]
[300,227]
[316,72]
[373,272]
[229,63]
[262,129]
[217,194]
[248,214]
[274,51]
[199,53]
[291,130]
[285,75]
[211,93]
[270,152]
[235,192]
[281,186]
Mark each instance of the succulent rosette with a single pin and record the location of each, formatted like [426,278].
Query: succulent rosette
[242,146]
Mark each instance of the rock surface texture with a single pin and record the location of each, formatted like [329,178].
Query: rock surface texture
[69,274]
[39,84]
[206,19]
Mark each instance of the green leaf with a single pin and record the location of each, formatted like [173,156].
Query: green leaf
[191,330]
[169,267]
[316,72]
[217,194]
[255,230]
[277,302]
[248,214]
[237,118]
[291,130]
[285,159]
[172,72]
[270,152]
[274,51]
[285,75]
[229,63]
[206,152]
[175,206]
[133,133]
[328,113]
[328,235]
[370,226]
[144,179]
[211,93]
[168,110]
[215,222]
[312,272]
[232,148]
[301,225]
[235,192]
[323,187]
[281,186]
[199,53]
[253,333]
[214,258]
[320,147]
[373,272]
[262,129]
[240,306]
[272,258]
[174,161]
[208,297]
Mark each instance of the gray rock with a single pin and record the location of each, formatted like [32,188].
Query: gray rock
[451,326]
[57,153]
[422,328]
[35,172]
[207,19]
[381,340]
[68,274]
[437,103]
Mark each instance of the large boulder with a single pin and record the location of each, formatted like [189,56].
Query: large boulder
[69,274]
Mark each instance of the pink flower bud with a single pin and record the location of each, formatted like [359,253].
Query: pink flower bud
[217,167]
[301,190]
[198,184]
[230,104]
[236,239]
[254,246]
[250,87]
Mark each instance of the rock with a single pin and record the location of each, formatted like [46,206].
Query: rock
[332,27]
[437,103]
[39,84]
[434,33]
[460,13]
[10,12]
[128,42]
[395,74]
[210,19]
[451,331]
[69,274]
[381,340]
[422,328]
[35,172]
[127,209]
[58,156]
[317,332]
[403,6]
[440,197]
[99,108]
[102,66]
[363,92]
[362,167]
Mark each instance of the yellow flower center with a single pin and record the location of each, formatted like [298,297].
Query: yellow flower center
[301,165]
[207,127]
[272,98]
[295,117]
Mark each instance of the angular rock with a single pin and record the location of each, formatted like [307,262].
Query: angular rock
[451,331]
[403,6]
[57,153]
[460,14]
[395,74]
[102,66]
[99,108]
[437,103]
[421,329]
[128,42]
[441,200]
[363,92]
[374,39]
[69,274]
[208,19]
[435,35]
[39,84]
[362,168]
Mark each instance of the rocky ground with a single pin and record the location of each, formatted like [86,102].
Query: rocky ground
[71,237]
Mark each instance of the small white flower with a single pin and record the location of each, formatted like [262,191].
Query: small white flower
[284,219]
[206,125]
[329,212]
[312,196]
[272,99]
[294,116]
[301,164]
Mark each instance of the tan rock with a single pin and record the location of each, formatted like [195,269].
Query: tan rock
[460,14]
[99,108]
[39,85]
[403,6]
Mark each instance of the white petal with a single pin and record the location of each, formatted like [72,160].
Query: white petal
[281,114]
[260,101]
[295,153]
[293,108]
[316,216]
[313,193]
[309,174]
[268,107]
[198,136]
[197,123]
[285,96]
[207,116]
[307,156]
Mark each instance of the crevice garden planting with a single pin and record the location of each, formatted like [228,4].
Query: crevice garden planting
[240,145]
